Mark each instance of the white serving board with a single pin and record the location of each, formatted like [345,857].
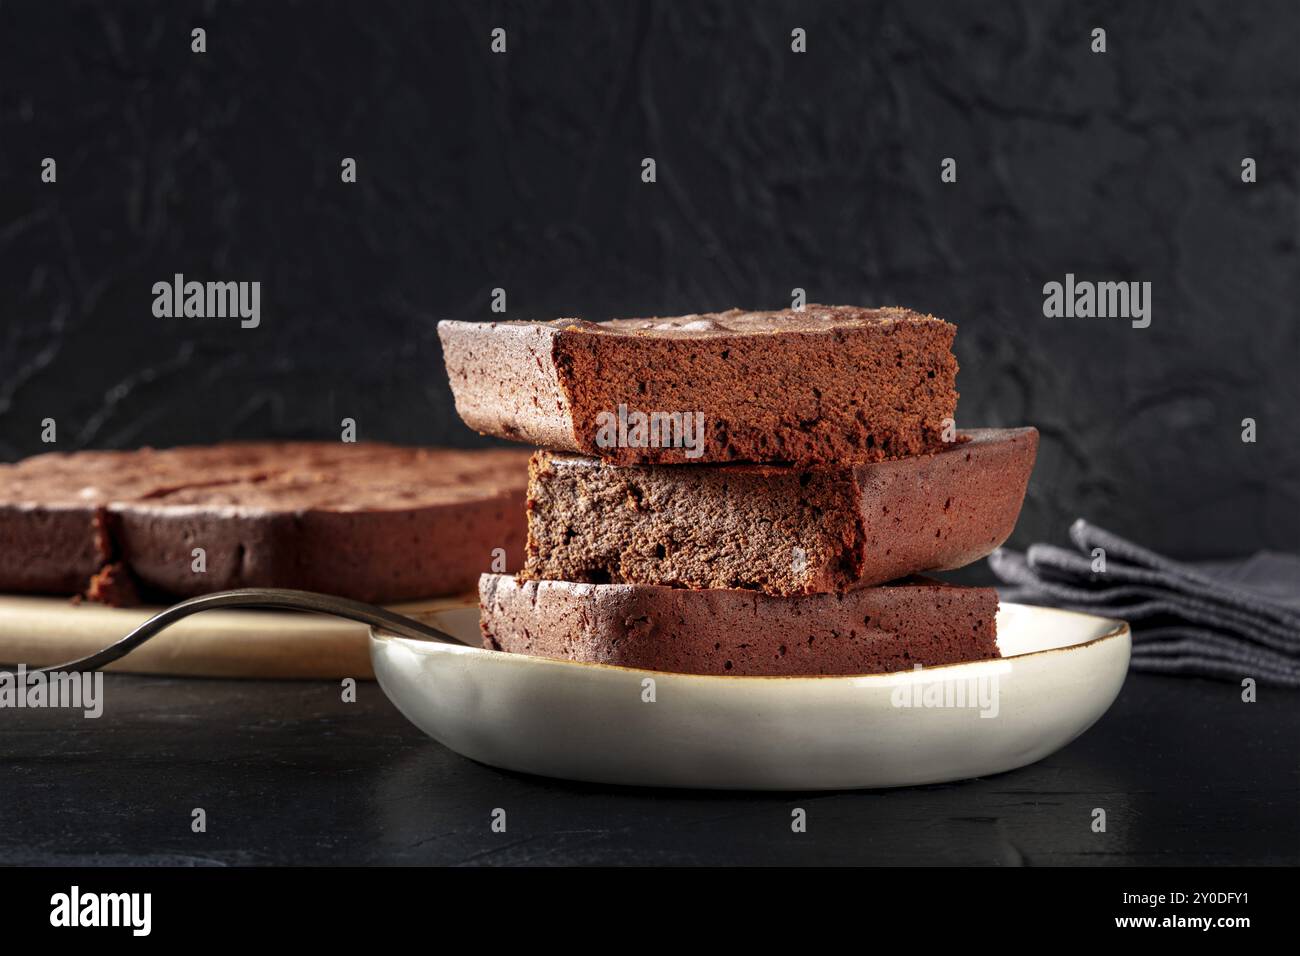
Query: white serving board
[39,631]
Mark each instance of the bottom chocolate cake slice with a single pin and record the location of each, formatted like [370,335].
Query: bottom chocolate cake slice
[741,633]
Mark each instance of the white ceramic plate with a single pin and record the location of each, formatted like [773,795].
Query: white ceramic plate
[593,722]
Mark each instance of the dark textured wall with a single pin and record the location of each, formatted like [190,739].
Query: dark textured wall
[775,170]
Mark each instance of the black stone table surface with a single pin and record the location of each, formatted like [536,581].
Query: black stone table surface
[287,773]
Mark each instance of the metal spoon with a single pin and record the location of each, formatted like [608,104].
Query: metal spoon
[256,597]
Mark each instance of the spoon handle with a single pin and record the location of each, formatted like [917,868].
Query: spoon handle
[259,598]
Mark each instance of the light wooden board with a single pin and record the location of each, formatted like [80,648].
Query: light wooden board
[38,631]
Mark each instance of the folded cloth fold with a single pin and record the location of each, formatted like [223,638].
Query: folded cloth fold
[1226,620]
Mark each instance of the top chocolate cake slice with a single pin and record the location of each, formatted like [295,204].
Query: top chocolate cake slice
[369,521]
[828,384]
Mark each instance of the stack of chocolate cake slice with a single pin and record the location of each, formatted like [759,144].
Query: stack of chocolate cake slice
[743,493]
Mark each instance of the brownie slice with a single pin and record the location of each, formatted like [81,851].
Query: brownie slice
[374,522]
[740,633]
[782,530]
[831,383]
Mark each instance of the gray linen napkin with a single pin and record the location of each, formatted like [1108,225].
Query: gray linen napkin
[1223,619]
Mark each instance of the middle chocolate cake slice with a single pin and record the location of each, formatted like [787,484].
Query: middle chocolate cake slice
[782,530]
